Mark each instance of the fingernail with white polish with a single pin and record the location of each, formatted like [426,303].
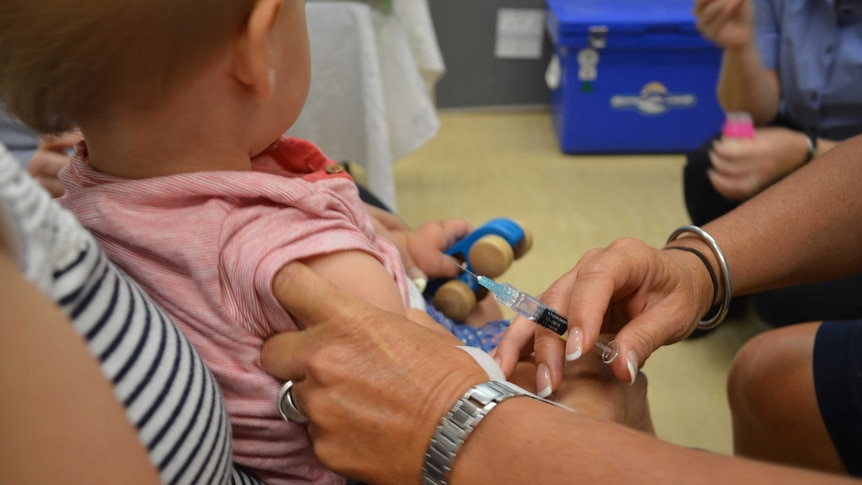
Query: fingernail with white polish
[419,278]
[421,283]
[632,364]
[575,345]
[543,380]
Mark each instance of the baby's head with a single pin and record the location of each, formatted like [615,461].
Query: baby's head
[69,62]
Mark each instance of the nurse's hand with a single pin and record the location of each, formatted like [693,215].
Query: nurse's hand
[728,23]
[646,296]
[741,168]
[373,383]
[590,388]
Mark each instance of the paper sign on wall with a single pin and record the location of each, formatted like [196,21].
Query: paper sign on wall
[520,32]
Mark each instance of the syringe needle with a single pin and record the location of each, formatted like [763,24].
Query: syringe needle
[460,265]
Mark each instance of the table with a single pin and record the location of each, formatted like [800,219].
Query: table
[372,75]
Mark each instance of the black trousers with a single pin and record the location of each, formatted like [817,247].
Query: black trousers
[833,300]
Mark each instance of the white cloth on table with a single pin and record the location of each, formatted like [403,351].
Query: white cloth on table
[372,72]
[422,38]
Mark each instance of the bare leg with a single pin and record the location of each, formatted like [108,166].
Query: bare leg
[772,398]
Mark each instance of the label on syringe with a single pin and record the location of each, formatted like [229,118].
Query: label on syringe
[553,320]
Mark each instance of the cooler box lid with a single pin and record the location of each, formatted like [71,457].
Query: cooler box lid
[575,19]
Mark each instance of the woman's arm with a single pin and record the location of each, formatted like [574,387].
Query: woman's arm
[744,84]
[526,441]
[808,227]
[60,419]
[373,421]
[824,145]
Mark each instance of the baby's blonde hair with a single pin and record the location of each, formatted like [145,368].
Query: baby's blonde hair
[64,61]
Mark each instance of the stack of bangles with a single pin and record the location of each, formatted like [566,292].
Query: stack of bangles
[723,277]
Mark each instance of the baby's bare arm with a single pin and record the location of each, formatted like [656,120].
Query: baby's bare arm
[359,274]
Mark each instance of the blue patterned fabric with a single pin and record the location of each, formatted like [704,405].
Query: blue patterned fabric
[487,337]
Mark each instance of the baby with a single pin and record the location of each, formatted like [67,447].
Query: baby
[186,180]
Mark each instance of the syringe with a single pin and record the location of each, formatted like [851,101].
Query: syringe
[533,309]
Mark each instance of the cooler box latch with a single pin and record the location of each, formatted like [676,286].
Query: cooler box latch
[598,36]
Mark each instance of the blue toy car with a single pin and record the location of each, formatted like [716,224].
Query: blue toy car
[488,251]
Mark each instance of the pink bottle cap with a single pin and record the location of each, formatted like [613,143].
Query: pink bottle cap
[738,125]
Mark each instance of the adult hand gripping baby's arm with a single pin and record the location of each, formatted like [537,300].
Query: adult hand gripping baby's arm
[648,297]
[373,383]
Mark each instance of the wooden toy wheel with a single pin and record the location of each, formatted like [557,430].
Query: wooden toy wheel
[455,299]
[491,256]
[524,246]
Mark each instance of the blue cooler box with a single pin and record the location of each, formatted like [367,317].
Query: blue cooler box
[631,76]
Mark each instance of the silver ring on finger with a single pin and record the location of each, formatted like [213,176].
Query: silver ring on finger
[287,406]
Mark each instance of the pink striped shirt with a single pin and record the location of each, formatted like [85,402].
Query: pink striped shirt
[207,245]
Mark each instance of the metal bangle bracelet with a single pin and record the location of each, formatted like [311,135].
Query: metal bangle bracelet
[724,270]
[287,407]
[811,138]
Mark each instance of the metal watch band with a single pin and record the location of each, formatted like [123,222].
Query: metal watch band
[459,422]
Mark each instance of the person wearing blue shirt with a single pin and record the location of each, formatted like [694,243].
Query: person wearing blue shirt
[795,67]
[42,156]
[18,139]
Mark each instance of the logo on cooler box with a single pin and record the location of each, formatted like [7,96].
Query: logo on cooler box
[654,99]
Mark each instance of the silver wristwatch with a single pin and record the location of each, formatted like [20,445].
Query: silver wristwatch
[459,423]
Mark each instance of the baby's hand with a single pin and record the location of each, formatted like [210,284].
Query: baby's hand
[427,242]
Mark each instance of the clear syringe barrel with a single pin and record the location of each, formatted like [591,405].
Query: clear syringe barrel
[532,308]
[523,303]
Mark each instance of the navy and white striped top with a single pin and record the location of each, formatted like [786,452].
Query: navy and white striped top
[169,394]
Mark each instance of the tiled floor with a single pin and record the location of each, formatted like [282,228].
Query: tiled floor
[482,166]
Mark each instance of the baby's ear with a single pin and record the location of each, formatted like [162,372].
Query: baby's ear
[253,66]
